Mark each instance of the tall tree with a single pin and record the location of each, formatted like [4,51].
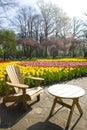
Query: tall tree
[5,6]
[28,45]
[77,27]
[27,22]
[62,23]
[55,21]
[7,43]
[85,30]
[47,13]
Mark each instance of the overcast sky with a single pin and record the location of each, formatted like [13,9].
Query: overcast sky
[71,7]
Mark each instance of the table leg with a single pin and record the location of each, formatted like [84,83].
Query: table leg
[79,107]
[75,102]
[53,106]
[71,107]
[70,115]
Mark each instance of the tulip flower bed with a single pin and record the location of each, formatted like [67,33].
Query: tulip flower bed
[53,71]
[53,64]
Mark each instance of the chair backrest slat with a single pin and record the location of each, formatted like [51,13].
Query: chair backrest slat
[14,75]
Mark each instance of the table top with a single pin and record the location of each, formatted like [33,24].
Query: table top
[66,91]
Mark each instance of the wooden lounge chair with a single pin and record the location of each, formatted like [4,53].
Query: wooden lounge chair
[22,91]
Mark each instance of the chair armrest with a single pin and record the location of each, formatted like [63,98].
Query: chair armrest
[21,86]
[37,80]
[34,78]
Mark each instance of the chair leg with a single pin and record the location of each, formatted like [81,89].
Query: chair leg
[24,100]
[24,106]
[38,98]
